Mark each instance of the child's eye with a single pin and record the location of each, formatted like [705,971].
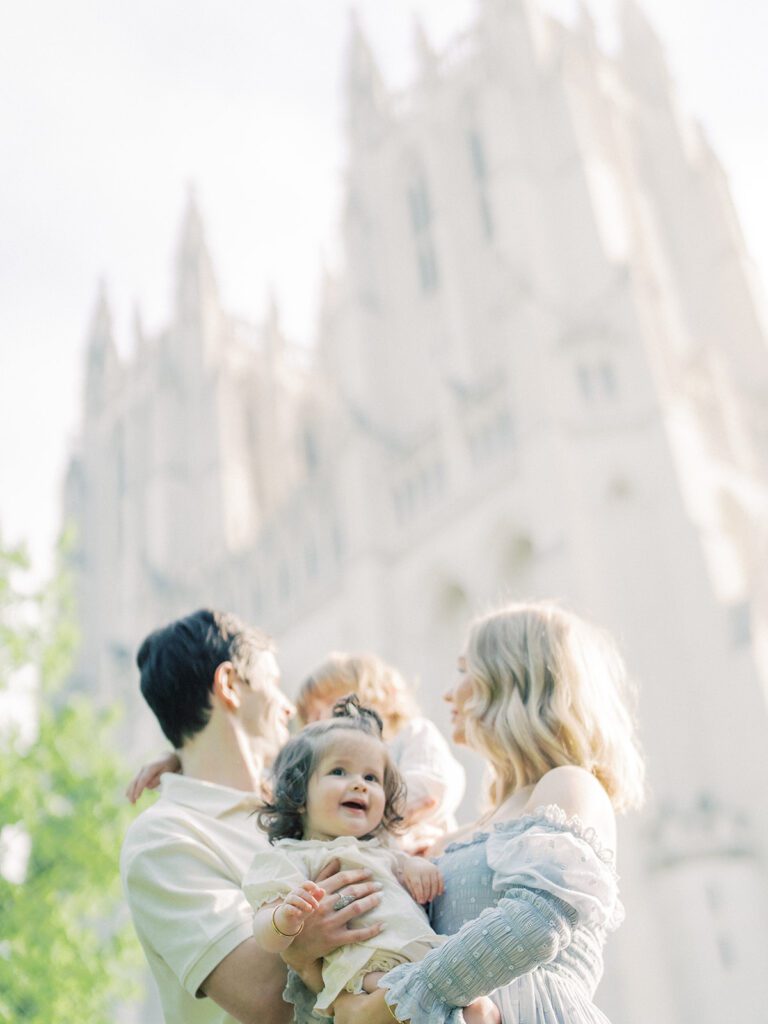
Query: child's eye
[336,771]
[370,777]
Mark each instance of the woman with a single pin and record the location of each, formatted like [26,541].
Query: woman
[530,888]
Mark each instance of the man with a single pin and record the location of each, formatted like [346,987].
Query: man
[213,685]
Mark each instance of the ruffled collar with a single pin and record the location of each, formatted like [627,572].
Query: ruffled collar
[331,844]
[551,817]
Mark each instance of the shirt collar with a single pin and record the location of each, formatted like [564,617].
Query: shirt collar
[206,797]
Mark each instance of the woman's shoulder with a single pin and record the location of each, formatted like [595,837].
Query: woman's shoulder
[579,796]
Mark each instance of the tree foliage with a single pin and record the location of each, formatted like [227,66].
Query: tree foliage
[66,952]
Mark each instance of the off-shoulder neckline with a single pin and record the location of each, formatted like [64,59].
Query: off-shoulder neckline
[551,816]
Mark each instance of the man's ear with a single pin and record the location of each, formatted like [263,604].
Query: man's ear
[225,688]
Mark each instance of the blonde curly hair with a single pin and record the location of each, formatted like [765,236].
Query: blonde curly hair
[377,684]
[550,689]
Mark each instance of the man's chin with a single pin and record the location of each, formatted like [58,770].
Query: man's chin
[269,751]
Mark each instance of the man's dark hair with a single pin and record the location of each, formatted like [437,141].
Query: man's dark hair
[178,662]
[283,816]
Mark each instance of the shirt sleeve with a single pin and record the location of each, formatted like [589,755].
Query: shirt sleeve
[429,768]
[185,904]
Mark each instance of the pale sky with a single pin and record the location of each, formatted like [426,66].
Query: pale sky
[109,109]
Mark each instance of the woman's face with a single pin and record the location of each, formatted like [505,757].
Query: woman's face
[458,697]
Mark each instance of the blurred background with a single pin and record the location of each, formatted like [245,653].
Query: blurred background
[356,319]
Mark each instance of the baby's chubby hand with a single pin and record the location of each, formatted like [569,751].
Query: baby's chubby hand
[421,878]
[300,902]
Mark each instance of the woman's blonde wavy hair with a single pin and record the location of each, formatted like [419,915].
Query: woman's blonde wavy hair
[550,689]
[377,684]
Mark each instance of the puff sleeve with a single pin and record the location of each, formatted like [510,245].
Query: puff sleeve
[549,878]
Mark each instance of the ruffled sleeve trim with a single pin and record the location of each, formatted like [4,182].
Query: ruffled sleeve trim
[554,817]
[558,854]
[549,816]
[413,1004]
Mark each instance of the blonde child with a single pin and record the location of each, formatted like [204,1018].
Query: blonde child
[337,794]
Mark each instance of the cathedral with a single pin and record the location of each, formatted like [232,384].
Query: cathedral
[540,371]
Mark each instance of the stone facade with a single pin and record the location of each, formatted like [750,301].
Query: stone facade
[541,371]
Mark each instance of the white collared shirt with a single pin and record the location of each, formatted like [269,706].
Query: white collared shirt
[182,864]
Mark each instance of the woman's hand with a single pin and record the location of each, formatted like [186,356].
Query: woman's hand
[148,777]
[348,895]
[370,1009]
[277,925]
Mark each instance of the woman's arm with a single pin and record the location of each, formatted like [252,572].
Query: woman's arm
[530,924]
[525,930]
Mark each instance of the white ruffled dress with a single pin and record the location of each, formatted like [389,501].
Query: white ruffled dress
[528,907]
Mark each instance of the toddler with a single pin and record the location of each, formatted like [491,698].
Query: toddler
[336,793]
[433,777]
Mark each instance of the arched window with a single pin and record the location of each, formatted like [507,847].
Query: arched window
[480,172]
[421,216]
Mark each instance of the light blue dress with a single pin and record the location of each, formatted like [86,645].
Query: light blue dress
[528,907]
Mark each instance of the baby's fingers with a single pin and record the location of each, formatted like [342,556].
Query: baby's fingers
[300,902]
[417,890]
[314,890]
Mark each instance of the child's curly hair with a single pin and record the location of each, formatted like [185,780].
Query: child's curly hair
[282,816]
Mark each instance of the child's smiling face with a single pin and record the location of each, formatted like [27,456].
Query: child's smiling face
[345,796]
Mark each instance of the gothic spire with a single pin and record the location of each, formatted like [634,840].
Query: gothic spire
[643,57]
[495,9]
[273,337]
[425,52]
[586,24]
[366,91]
[139,334]
[196,291]
[102,361]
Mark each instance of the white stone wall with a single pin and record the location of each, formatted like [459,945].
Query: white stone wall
[541,371]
